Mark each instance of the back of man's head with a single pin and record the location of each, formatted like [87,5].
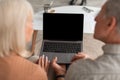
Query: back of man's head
[113,9]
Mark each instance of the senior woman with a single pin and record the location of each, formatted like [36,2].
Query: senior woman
[15,31]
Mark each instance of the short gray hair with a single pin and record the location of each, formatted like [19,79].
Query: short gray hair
[13,16]
[113,9]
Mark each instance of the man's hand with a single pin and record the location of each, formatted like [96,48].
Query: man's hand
[59,69]
[79,55]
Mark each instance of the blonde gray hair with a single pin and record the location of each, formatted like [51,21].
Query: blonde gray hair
[13,16]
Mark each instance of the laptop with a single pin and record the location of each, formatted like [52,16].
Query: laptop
[62,36]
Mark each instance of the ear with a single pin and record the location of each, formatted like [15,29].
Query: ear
[112,23]
[28,31]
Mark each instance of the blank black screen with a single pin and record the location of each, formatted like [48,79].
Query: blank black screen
[63,26]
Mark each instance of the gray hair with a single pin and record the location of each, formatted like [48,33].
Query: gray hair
[13,16]
[113,9]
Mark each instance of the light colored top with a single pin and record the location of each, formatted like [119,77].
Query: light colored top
[105,67]
[17,68]
[89,22]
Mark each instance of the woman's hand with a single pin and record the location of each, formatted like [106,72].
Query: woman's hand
[79,55]
[59,69]
[44,63]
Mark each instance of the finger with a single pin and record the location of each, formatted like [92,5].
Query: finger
[54,63]
[82,55]
[63,66]
[78,56]
[39,61]
[79,53]
[46,63]
[74,59]
[86,56]
[42,61]
[59,69]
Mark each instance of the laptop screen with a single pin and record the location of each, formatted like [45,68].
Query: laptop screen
[63,26]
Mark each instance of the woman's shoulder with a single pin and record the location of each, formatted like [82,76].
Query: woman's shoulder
[22,67]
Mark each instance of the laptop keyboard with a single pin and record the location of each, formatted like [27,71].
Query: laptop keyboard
[62,47]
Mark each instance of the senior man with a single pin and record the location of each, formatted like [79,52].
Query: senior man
[106,66]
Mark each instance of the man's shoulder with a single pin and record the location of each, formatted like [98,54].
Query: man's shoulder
[100,64]
[85,65]
[81,68]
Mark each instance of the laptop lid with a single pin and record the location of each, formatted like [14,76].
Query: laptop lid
[62,28]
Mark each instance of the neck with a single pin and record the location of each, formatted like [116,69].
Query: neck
[113,39]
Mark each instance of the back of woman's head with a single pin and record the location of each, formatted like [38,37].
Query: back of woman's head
[13,16]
